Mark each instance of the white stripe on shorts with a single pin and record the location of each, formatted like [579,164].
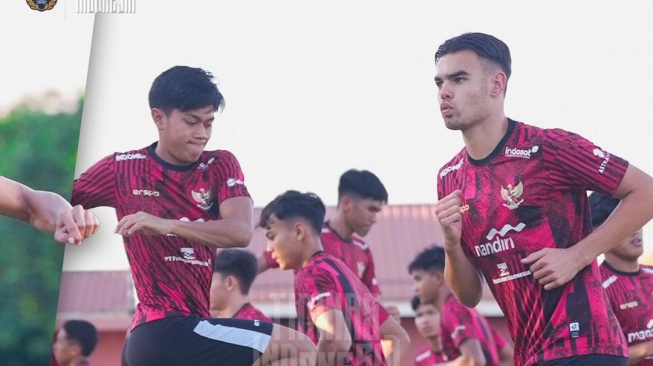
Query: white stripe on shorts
[238,336]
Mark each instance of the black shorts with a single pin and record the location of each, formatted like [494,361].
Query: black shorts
[192,340]
[589,360]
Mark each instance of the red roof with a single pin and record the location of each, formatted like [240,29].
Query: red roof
[399,234]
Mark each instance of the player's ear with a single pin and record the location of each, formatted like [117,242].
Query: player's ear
[499,81]
[439,278]
[299,230]
[158,116]
[230,282]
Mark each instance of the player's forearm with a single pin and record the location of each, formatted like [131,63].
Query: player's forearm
[330,351]
[639,352]
[225,233]
[462,277]
[633,212]
[44,209]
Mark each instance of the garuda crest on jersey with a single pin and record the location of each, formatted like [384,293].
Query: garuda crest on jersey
[41,5]
[203,198]
[511,195]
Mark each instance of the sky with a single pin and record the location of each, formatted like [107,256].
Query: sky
[315,88]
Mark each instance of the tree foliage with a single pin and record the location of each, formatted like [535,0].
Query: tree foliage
[38,149]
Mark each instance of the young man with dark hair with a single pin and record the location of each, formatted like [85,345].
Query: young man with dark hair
[75,342]
[513,209]
[176,203]
[361,196]
[334,308]
[234,271]
[427,322]
[629,285]
[466,335]
[46,211]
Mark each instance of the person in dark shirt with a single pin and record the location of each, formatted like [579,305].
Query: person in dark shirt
[334,308]
[513,209]
[234,271]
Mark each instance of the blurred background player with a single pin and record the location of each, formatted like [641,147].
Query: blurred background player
[629,285]
[75,342]
[466,336]
[427,322]
[334,308]
[234,271]
[46,211]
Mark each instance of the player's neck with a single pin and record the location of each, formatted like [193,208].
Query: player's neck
[482,138]
[236,302]
[338,223]
[75,361]
[310,248]
[436,346]
[622,264]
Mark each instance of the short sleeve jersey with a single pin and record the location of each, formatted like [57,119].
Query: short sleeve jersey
[530,194]
[631,298]
[354,252]
[326,283]
[459,323]
[172,275]
[248,311]
[428,357]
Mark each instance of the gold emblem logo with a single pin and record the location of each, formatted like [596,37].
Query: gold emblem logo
[41,5]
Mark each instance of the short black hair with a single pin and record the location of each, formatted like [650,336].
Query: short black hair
[485,46]
[295,205]
[601,207]
[429,259]
[185,88]
[239,263]
[362,184]
[82,332]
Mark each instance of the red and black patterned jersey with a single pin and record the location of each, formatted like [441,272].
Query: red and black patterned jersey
[428,357]
[326,283]
[530,194]
[631,298]
[459,323]
[354,252]
[248,311]
[172,275]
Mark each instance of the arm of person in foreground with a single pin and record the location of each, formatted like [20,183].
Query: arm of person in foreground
[639,352]
[46,211]
[335,341]
[507,355]
[234,229]
[395,341]
[471,354]
[459,272]
[554,267]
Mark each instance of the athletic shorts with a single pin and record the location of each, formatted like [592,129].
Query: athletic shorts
[589,360]
[192,340]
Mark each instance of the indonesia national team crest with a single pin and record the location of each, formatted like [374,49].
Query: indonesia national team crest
[203,198]
[512,194]
[41,5]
